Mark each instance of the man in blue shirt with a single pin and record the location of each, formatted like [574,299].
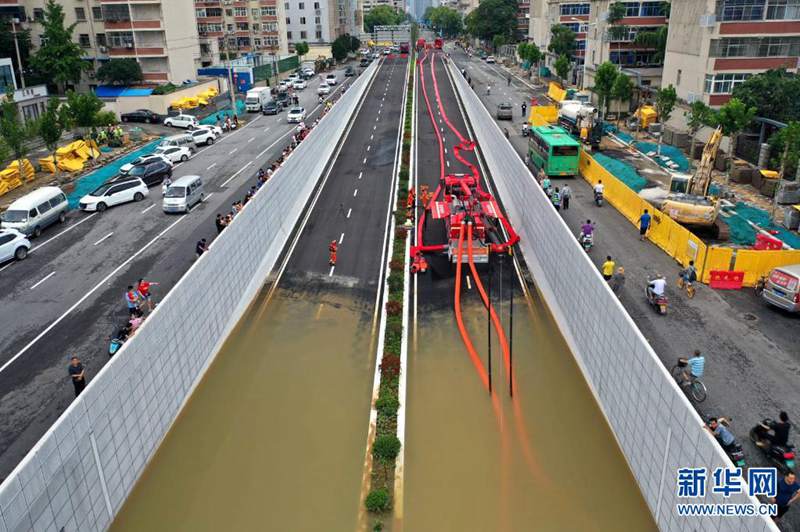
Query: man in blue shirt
[788,491]
[696,366]
[644,224]
[721,432]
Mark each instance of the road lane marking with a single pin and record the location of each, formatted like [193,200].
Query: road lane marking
[330,274]
[371,137]
[236,174]
[43,280]
[469,285]
[377,118]
[208,197]
[150,207]
[211,166]
[266,129]
[348,212]
[365,161]
[233,151]
[360,174]
[369,146]
[448,164]
[355,193]
[108,235]
[341,238]
[88,294]
[374,128]
[251,140]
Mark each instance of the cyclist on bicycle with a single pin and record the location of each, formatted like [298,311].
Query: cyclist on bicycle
[695,366]
[689,274]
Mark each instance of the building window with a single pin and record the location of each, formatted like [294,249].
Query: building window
[628,33]
[97,13]
[289,35]
[101,39]
[574,9]
[652,9]
[38,14]
[723,83]
[121,39]
[257,42]
[80,13]
[254,12]
[240,11]
[271,41]
[301,5]
[302,20]
[633,58]
[270,26]
[288,21]
[577,27]
[229,27]
[6,78]
[678,78]
[206,28]
[256,26]
[317,20]
[318,35]
[268,12]
[783,10]
[286,6]
[302,35]
[740,9]
[242,26]
[755,47]
[200,13]
[316,5]
[229,12]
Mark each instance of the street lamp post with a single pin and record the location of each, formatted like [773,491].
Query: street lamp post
[14,22]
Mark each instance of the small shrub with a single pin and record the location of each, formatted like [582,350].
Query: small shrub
[390,365]
[396,265]
[386,448]
[400,233]
[404,173]
[395,281]
[378,500]
[378,526]
[387,405]
[393,308]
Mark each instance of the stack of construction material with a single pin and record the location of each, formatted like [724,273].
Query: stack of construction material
[72,157]
[10,178]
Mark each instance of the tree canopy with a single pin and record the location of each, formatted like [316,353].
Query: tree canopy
[301,48]
[82,108]
[604,79]
[492,17]
[445,20]
[120,72]
[15,132]
[562,66]
[562,41]
[59,56]
[775,94]
[382,16]
[529,52]
[654,39]
[343,45]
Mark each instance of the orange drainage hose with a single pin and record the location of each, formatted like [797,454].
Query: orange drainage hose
[473,355]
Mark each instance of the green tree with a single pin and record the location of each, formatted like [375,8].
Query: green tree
[445,20]
[733,117]
[355,43]
[15,133]
[790,138]
[666,98]
[775,94]
[529,52]
[341,47]
[497,42]
[59,58]
[697,116]
[301,49]
[604,79]
[7,48]
[490,18]
[82,110]
[616,31]
[654,39]
[621,91]
[562,41]
[52,124]
[120,72]
[561,67]
[381,16]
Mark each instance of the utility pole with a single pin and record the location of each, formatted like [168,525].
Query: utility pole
[14,22]
[229,68]
[489,322]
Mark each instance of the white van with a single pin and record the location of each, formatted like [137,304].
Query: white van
[36,210]
[782,288]
[257,98]
[183,194]
[179,141]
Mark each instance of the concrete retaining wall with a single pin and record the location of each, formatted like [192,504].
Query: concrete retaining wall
[656,427]
[78,475]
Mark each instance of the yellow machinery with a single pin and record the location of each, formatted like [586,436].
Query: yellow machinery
[688,201]
[643,117]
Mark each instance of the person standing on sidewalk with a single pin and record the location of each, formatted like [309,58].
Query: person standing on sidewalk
[788,491]
[618,281]
[644,224]
[133,299]
[78,375]
[144,291]
[608,268]
[566,194]
[556,199]
[220,223]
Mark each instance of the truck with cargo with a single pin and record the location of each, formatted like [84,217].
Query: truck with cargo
[257,98]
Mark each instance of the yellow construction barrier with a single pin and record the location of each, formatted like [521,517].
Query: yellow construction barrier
[72,157]
[755,263]
[555,92]
[717,258]
[543,115]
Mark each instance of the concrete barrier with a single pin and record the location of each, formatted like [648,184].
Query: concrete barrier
[79,474]
[656,427]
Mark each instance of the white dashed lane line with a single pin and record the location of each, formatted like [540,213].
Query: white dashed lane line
[150,207]
[360,174]
[211,166]
[355,193]
[349,211]
[251,140]
[368,147]
[233,151]
[43,280]
[365,161]
[330,274]
[105,237]
[341,238]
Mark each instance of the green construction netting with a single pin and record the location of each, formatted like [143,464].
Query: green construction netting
[622,171]
[744,234]
[674,154]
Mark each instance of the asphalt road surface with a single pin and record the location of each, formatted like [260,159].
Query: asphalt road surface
[67,297]
[752,355]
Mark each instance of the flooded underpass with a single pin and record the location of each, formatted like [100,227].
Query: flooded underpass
[273,438]
[545,460]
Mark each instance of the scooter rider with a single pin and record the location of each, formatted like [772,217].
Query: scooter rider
[776,433]
[587,229]
[716,426]
[599,188]
[656,287]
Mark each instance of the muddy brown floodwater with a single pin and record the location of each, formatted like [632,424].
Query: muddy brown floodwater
[273,437]
[545,461]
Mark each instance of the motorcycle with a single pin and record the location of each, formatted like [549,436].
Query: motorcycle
[781,456]
[117,339]
[525,130]
[586,241]
[657,302]
[734,451]
[598,198]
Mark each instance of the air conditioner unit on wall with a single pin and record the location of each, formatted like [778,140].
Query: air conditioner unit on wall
[708,21]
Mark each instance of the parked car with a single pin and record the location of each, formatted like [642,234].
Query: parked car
[203,136]
[490,59]
[349,72]
[330,79]
[307,73]
[324,89]
[141,115]
[505,111]
[182,140]
[183,194]
[296,115]
[294,76]
[13,245]
[386,51]
[283,99]
[175,154]
[152,173]
[782,288]
[284,85]
[114,193]
[182,121]
[364,62]
[299,84]
[272,108]
[125,168]
[214,129]
[35,211]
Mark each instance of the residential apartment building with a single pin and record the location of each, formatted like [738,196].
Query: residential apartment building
[544,14]
[640,62]
[523,19]
[240,28]
[399,5]
[319,21]
[713,45]
[160,34]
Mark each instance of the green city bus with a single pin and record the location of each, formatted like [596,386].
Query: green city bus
[553,149]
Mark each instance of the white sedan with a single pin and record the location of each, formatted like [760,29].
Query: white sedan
[324,90]
[296,115]
[216,130]
[13,245]
[125,168]
[175,153]
[491,59]
[299,84]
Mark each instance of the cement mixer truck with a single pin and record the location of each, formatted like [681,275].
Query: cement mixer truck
[582,120]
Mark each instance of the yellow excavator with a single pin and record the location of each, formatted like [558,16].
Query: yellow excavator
[688,201]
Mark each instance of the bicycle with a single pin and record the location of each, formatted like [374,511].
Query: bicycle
[760,285]
[688,286]
[696,388]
